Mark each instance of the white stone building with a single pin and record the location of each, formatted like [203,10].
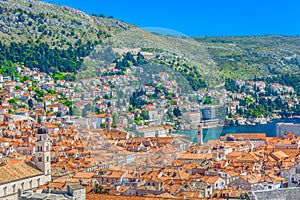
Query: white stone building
[18,175]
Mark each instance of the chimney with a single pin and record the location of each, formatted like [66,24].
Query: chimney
[81,181]
[20,192]
[48,190]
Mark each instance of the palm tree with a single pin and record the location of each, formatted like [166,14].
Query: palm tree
[99,189]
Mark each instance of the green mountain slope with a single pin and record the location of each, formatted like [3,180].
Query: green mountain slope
[59,26]
[57,38]
[247,57]
[50,37]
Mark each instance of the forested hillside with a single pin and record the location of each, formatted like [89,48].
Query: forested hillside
[50,37]
[57,38]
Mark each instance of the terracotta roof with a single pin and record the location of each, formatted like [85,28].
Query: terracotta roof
[66,179]
[84,175]
[280,155]
[210,179]
[191,156]
[15,170]
[114,174]
[110,197]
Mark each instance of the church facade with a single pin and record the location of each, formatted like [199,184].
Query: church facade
[19,175]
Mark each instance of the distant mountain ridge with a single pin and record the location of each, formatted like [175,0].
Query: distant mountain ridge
[250,56]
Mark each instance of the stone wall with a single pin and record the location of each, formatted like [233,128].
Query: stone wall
[279,194]
[9,191]
[284,128]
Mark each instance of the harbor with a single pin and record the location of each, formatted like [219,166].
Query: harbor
[215,132]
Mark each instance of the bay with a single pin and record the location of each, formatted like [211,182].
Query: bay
[215,133]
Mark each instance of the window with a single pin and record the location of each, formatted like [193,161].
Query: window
[30,184]
[269,187]
[4,191]
[22,186]
[38,182]
[40,159]
[292,179]
[40,148]
[47,160]
[14,188]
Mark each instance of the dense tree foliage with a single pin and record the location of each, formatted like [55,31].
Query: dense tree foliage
[135,99]
[284,79]
[98,189]
[41,56]
[128,60]
[144,115]
[176,112]
[258,106]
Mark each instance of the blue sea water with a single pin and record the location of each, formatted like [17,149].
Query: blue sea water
[215,133]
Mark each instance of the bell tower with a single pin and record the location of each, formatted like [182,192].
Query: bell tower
[42,157]
[200,135]
[108,120]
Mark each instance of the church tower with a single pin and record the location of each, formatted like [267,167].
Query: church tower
[108,120]
[200,135]
[42,158]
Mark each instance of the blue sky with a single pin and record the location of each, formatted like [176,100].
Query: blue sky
[199,17]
